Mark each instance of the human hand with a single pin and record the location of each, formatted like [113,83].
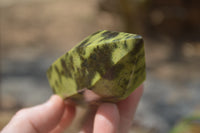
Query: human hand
[55,116]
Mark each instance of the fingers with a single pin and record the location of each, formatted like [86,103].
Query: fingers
[45,117]
[89,120]
[55,116]
[127,109]
[66,119]
[38,119]
[112,118]
[106,119]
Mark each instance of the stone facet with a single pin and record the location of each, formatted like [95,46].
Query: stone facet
[110,64]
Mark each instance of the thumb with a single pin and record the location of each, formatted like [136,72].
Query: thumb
[38,119]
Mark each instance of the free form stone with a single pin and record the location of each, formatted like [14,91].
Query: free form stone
[106,65]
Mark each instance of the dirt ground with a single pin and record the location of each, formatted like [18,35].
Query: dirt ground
[35,33]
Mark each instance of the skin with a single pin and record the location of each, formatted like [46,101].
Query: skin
[55,116]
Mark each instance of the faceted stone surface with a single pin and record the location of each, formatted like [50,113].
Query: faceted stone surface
[106,65]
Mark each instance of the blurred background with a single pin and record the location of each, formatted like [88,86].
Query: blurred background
[34,33]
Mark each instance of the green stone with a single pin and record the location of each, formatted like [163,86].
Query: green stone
[188,125]
[106,66]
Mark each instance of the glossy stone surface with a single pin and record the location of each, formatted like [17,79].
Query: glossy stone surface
[109,64]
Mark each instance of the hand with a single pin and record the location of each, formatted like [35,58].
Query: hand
[55,116]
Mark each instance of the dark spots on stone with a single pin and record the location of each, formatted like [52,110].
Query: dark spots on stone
[56,68]
[136,54]
[58,73]
[129,36]
[82,58]
[103,39]
[115,45]
[110,34]
[84,43]
[63,64]
[113,72]
[66,55]
[71,59]
[81,51]
[139,57]
[98,61]
[67,68]
[135,79]
[54,90]
[84,63]
[88,44]
[109,75]
[68,73]
[117,40]
[138,46]
[93,57]
[140,69]
[136,60]
[62,72]
[73,67]
[125,81]
[83,79]
[131,58]
[125,45]
[49,72]
[139,74]
[50,69]
[126,73]
[103,59]
[95,33]
[56,83]
[79,70]
[90,77]
[139,41]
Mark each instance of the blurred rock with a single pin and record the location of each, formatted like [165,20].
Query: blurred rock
[188,125]
[158,110]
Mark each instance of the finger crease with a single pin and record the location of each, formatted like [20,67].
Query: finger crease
[34,127]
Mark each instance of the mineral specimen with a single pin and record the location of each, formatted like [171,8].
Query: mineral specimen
[105,66]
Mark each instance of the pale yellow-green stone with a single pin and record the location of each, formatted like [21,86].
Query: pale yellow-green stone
[110,64]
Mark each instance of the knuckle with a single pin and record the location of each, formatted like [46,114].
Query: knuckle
[21,113]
